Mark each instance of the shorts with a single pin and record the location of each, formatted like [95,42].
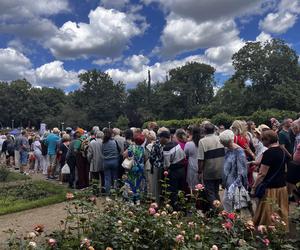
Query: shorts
[23,158]
[52,160]
[9,154]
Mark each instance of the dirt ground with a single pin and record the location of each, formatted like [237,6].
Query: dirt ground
[24,221]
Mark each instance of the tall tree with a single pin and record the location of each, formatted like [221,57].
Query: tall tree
[100,98]
[264,67]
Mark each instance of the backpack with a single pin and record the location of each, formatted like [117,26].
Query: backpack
[84,146]
[44,147]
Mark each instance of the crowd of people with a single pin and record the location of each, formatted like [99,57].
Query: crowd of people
[233,165]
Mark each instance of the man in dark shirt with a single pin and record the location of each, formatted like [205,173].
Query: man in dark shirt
[285,139]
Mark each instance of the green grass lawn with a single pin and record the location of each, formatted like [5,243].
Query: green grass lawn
[13,176]
[29,194]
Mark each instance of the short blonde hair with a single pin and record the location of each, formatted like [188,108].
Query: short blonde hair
[152,135]
[239,127]
[226,137]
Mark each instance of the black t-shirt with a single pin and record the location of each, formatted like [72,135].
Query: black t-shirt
[273,158]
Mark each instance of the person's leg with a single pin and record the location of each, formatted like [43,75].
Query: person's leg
[115,173]
[107,176]
[17,159]
[210,191]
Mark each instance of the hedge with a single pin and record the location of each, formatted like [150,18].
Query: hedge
[259,117]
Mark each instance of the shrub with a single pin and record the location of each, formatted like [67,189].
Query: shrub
[259,117]
[120,225]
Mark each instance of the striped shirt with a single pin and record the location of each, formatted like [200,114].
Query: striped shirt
[212,152]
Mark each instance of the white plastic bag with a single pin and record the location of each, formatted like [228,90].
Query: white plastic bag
[65,169]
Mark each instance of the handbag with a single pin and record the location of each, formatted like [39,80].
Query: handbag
[127,163]
[66,169]
[260,190]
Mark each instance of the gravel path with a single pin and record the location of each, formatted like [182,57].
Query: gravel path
[24,221]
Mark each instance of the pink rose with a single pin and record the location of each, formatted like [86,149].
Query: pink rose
[214,247]
[166,173]
[51,242]
[191,224]
[154,205]
[266,242]
[231,216]
[179,238]
[152,211]
[227,225]
[197,237]
[199,187]
[262,229]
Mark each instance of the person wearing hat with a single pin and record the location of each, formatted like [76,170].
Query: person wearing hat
[174,158]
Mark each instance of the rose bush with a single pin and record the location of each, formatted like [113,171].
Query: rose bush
[120,225]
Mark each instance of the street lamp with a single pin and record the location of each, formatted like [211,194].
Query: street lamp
[109,124]
[62,126]
[12,124]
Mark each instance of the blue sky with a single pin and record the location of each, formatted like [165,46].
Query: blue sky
[50,42]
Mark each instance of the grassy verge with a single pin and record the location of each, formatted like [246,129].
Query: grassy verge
[7,176]
[31,194]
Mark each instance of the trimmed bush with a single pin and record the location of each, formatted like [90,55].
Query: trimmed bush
[259,117]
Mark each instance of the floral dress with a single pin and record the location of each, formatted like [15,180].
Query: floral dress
[135,176]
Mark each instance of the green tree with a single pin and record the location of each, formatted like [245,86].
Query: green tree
[264,67]
[189,88]
[100,98]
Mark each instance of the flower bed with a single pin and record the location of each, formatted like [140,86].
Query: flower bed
[119,225]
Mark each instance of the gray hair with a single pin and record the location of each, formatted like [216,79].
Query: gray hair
[226,137]
[100,134]
[116,131]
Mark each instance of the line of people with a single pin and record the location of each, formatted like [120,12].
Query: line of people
[239,160]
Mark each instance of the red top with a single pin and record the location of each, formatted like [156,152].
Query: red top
[241,141]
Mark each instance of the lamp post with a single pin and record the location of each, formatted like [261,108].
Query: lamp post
[62,126]
[12,124]
[109,124]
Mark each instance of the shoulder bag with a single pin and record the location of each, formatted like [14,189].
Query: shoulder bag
[260,190]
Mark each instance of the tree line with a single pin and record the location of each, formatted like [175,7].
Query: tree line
[267,75]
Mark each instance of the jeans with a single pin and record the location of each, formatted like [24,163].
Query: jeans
[111,169]
[212,190]
[23,157]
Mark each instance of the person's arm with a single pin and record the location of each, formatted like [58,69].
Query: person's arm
[249,151]
[282,142]
[286,151]
[200,158]
[263,170]
[90,153]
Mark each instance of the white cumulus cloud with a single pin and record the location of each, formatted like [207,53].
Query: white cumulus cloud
[283,19]
[29,18]
[54,74]
[182,34]
[106,35]
[15,65]
[200,10]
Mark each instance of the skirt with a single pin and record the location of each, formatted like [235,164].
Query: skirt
[274,197]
